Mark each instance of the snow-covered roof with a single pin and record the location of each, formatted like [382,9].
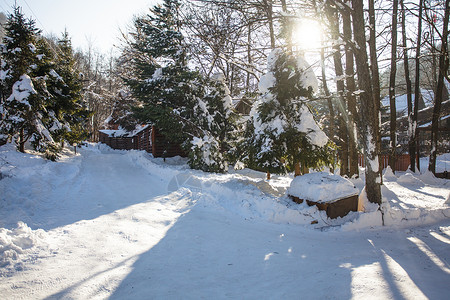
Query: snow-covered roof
[124,133]
[401,101]
[429,123]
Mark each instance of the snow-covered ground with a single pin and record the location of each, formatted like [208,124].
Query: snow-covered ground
[123,225]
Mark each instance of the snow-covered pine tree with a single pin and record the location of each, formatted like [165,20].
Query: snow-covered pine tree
[24,91]
[65,86]
[186,108]
[281,131]
[211,151]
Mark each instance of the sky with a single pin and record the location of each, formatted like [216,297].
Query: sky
[95,22]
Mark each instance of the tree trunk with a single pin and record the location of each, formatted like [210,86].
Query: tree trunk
[339,71]
[351,99]
[443,69]
[21,141]
[269,11]
[305,169]
[370,128]
[331,128]
[297,171]
[374,68]
[289,34]
[393,123]
[417,96]
[249,55]
[406,69]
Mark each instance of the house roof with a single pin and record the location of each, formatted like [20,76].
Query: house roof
[124,133]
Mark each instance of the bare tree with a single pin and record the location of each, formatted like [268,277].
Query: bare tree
[333,19]
[370,126]
[393,71]
[443,70]
[351,98]
[417,95]
[406,67]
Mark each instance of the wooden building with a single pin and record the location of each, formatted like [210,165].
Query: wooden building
[144,137]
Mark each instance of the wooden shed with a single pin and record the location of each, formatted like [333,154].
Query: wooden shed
[144,137]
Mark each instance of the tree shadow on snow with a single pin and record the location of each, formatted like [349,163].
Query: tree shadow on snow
[206,255]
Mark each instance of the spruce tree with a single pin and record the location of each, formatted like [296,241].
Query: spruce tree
[187,108]
[65,86]
[41,91]
[24,92]
[281,131]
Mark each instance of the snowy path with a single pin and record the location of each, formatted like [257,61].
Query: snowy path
[117,226]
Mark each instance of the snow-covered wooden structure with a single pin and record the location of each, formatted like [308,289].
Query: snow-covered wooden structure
[334,194]
[144,137]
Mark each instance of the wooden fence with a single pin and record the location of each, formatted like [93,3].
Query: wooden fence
[401,164]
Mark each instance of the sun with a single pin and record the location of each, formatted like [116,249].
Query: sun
[307,35]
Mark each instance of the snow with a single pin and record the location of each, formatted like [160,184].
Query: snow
[315,135]
[105,223]
[309,79]
[322,187]
[121,132]
[22,89]
[266,82]
[55,75]
[114,133]
[401,101]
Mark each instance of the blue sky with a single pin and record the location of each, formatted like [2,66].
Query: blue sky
[97,21]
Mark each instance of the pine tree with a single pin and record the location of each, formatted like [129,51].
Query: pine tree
[41,92]
[24,92]
[65,86]
[281,131]
[187,108]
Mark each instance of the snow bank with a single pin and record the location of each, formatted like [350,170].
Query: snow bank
[321,187]
[409,178]
[18,242]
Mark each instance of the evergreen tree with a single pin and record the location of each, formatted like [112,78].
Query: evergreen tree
[281,131]
[41,93]
[187,108]
[65,86]
[24,91]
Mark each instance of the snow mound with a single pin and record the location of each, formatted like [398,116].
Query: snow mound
[409,179]
[18,242]
[389,174]
[321,187]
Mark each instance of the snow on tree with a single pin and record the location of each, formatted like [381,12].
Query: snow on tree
[281,131]
[40,94]
[187,108]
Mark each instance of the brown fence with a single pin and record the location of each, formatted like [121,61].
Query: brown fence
[401,164]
